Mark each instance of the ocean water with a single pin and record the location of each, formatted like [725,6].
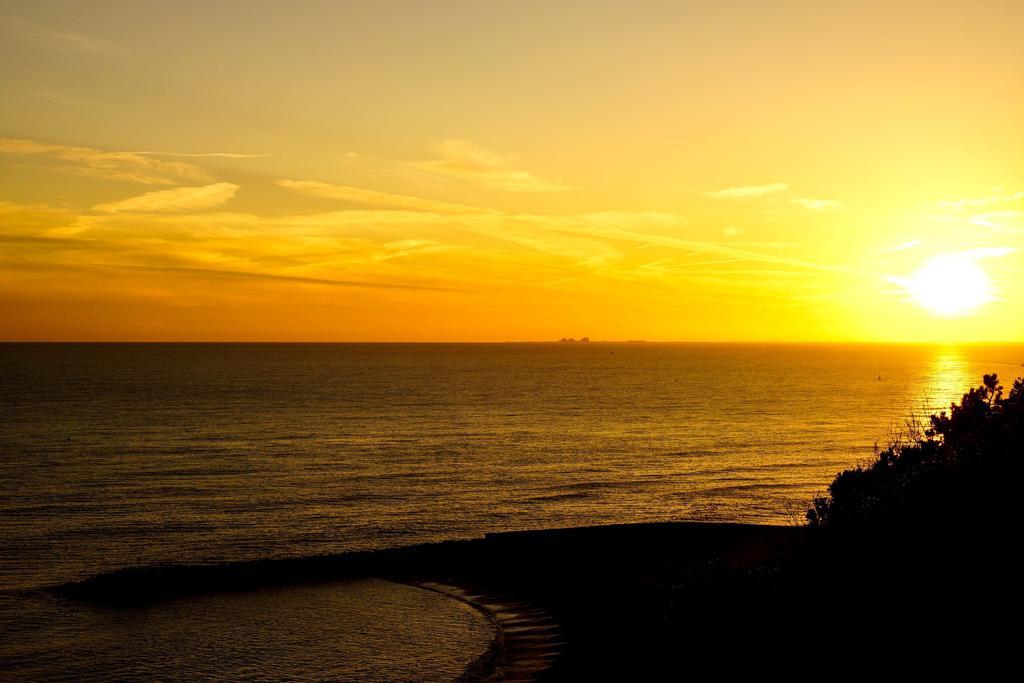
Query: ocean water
[360,630]
[123,455]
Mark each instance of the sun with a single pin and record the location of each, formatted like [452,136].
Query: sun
[949,285]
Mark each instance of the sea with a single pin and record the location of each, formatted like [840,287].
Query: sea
[124,455]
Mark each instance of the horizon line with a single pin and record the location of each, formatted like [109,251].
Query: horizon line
[632,342]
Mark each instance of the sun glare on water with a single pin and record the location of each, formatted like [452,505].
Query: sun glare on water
[949,285]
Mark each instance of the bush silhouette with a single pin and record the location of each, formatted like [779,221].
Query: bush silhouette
[964,468]
[908,564]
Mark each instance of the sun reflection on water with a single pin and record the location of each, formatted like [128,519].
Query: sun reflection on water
[949,375]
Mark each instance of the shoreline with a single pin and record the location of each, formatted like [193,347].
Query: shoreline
[606,589]
[650,601]
[526,641]
[412,563]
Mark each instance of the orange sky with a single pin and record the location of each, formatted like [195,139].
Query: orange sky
[511,171]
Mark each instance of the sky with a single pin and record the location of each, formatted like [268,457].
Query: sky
[501,171]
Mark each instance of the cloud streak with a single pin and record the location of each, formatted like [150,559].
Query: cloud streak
[1001,221]
[220,155]
[248,275]
[70,41]
[975,202]
[357,195]
[748,191]
[463,161]
[816,204]
[178,199]
[87,161]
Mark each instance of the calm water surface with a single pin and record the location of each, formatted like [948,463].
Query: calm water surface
[119,455]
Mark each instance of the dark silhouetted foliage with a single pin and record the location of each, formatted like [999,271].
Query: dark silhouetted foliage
[908,565]
[964,468]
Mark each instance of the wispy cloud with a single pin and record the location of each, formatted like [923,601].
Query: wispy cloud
[464,161]
[408,247]
[816,204]
[1001,221]
[63,40]
[757,191]
[358,195]
[748,191]
[87,161]
[61,97]
[620,226]
[989,252]
[999,197]
[178,199]
[248,275]
[901,247]
[222,155]
[29,217]
[394,248]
